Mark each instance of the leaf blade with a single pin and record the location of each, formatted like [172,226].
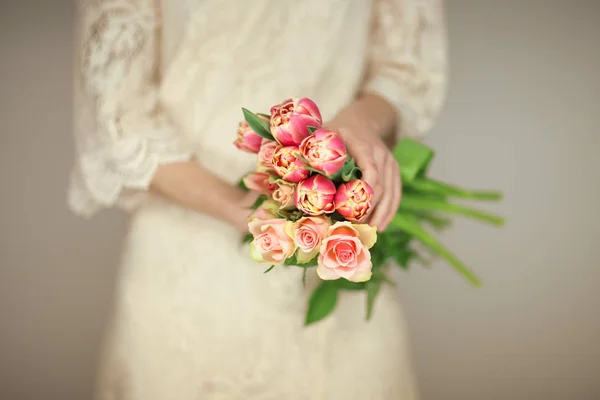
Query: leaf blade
[258,125]
[322,302]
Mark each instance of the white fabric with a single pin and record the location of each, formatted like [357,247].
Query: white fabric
[158,82]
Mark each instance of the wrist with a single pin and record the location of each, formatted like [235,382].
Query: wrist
[381,114]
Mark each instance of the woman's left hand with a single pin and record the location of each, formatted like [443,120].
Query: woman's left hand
[363,125]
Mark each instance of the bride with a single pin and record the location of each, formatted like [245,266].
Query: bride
[159,86]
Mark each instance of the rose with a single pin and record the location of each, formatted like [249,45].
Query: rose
[265,155]
[308,234]
[288,165]
[247,139]
[315,195]
[271,243]
[260,182]
[325,151]
[290,120]
[267,210]
[284,194]
[353,200]
[345,252]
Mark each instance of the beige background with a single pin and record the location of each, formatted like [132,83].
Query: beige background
[522,115]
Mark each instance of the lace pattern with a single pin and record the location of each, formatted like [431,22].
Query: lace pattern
[407,64]
[121,133]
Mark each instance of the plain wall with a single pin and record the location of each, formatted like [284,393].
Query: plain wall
[522,115]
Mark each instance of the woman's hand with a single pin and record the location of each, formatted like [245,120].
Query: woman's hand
[194,187]
[364,125]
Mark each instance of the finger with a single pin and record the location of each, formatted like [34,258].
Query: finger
[396,190]
[380,216]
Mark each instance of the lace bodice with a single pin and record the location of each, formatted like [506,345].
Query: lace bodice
[152,77]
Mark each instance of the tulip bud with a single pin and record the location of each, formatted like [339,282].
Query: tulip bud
[353,200]
[288,165]
[315,196]
[260,182]
[265,155]
[290,120]
[325,151]
[247,140]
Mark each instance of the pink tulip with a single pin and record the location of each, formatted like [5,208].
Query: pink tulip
[272,242]
[353,200]
[315,195]
[345,252]
[290,120]
[265,155]
[260,182]
[287,164]
[325,151]
[247,140]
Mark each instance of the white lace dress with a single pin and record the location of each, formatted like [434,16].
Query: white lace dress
[160,81]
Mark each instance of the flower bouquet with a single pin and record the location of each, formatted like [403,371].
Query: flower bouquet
[313,205]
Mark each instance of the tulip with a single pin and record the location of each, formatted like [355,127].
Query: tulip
[260,182]
[315,196]
[325,151]
[290,120]
[287,164]
[247,139]
[265,155]
[353,200]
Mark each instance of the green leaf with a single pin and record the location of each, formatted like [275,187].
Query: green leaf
[418,203]
[436,221]
[322,302]
[248,237]
[380,276]
[261,199]
[410,224]
[258,125]
[349,171]
[312,129]
[430,186]
[242,185]
[343,284]
[269,269]
[372,288]
[413,158]
[267,116]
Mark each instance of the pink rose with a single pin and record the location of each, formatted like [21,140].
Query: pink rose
[345,252]
[325,151]
[315,195]
[247,140]
[353,200]
[265,155]
[260,182]
[272,242]
[284,194]
[290,120]
[288,165]
[308,234]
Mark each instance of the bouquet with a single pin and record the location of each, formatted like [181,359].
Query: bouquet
[313,205]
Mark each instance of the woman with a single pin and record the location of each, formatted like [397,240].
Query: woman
[158,93]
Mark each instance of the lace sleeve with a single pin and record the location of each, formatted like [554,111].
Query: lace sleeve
[120,131]
[407,63]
